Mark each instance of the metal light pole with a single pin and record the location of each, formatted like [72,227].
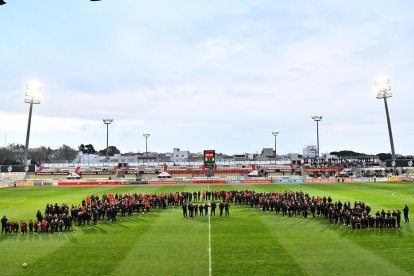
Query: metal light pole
[383,86]
[275,133]
[146,135]
[32,96]
[107,122]
[317,119]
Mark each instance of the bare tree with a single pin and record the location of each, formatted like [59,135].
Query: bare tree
[66,153]
[12,154]
[40,155]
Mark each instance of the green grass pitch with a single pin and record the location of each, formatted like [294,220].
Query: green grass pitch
[249,242]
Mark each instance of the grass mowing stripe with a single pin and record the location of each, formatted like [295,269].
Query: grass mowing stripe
[242,245]
[313,243]
[171,245]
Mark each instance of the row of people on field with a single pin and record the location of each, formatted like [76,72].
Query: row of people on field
[193,209]
[93,208]
[357,216]
[35,227]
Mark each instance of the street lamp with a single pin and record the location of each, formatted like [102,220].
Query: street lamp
[275,133]
[317,119]
[107,122]
[383,86]
[146,135]
[32,96]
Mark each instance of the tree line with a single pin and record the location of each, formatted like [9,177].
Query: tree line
[13,154]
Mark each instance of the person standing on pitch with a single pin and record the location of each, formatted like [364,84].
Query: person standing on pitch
[213,208]
[201,209]
[206,209]
[184,206]
[226,209]
[3,224]
[221,207]
[405,210]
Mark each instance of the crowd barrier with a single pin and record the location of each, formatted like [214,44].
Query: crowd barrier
[259,181]
[90,183]
[231,181]
[163,182]
[207,181]
[289,180]
[203,180]
[24,184]
[320,180]
[44,183]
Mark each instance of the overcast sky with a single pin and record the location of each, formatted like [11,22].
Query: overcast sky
[208,74]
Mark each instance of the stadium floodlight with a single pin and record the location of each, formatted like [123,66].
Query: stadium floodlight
[32,96]
[33,92]
[146,135]
[2,2]
[317,119]
[107,122]
[275,133]
[383,87]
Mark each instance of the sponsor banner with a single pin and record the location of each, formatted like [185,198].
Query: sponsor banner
[24,184]
[322,169]
[394,179]
[90,183]
[408,179]
[322,180]
[212,181]
[4,186]
[17,168]
[52,173]
[399,163]
[289,180]
[43,183]
[259,181]
[344,179]
[234,181]
[362,179]
[185,171]
[163,182]
[232,171]
[382,179]
[141,182]
[97,173]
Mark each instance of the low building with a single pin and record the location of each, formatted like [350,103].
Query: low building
[119,158]
[180,155]
[268,152]
[310,151]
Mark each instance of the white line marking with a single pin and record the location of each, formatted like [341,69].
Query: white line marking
[209,241]
[401,195]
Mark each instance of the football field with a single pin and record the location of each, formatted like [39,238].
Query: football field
[249,242]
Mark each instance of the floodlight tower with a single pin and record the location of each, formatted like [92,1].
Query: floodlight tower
[383,86]
[146,135]
[32,96]
[317,119]
[107,122]
[275,133]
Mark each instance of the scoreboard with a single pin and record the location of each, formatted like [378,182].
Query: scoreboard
[209,158]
